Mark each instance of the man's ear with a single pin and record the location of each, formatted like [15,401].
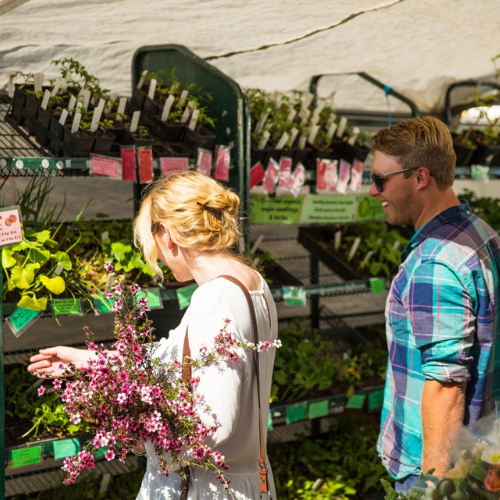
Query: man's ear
[423,177]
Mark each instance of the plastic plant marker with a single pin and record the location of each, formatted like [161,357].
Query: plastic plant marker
[377,285]
[21,319]
[296,412]
[66,448]
[10,226]
[294,296]
[269,420]
[128,164]
[173,164]
[26,456]
[356,401]
[110,167]
[318,409]
[67,307]
[375,400]
[100,452]
[154,297]
[184,295]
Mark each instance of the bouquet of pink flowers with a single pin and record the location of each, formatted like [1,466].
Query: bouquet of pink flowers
[131,395]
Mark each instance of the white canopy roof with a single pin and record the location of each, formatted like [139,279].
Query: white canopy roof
[416,47]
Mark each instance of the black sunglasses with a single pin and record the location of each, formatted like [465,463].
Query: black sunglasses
[378,179]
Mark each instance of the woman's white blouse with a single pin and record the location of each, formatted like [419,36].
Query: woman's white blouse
[229,389]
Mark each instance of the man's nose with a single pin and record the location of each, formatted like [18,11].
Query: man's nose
[373,190]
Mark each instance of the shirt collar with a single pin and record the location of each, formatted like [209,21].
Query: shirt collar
[449,215]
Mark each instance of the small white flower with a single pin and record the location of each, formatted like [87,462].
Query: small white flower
[491,454]
[121,398]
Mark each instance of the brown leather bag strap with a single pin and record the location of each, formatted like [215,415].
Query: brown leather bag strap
[263,471]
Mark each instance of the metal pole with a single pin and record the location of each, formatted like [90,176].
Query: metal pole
[314,298]
[2,398]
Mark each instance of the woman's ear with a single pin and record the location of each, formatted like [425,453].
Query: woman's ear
[166,235]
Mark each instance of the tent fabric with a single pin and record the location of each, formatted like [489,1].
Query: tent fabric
[416,47]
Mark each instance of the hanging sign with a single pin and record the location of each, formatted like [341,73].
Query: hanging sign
[369,208]
[356,401]
[145,165]
[329,209]
[296,412]
[110,167]
[67,307]
[154,297]
[21,319]
[184,295]
[10,226]
[294,296]
[172,164]
[66,448]
[318,409]
[128,163]
[278,209]
[26,456]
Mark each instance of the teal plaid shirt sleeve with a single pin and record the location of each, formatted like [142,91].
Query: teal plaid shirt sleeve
[442,315]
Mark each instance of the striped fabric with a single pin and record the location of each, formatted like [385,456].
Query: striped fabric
[442,320]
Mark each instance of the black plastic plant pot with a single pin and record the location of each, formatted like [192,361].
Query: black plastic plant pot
[54,136]
[28,120]
[304,156]
[40,132]
[149,109]
[484,154]
[169,132]
[144,141]
[18,101]
[317,240]
[264,155]
[463,152]
[200,138]
[77,144]
[103,144]
[123,137]
[136,102]
[350,152]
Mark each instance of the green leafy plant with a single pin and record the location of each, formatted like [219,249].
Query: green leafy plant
[485,207]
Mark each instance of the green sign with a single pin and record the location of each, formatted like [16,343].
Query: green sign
[66,448]
[318,409]
[26,456]
[356,401]
[269,420]
[369,208]
[275,209]
[102,305]
[480,173]
[184,295]
[21,319]
[375,400]
[296,412]
[377,285]
[294,296]
[100,452]
[153,296]
[329,209]
[67,306]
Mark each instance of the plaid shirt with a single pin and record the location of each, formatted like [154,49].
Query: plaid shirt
[443,317]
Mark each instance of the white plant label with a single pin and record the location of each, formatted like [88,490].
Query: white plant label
[72,103]
[304,115]
[167,107]
[337,239]
[38,78]
[396,246]
[121,108]
[58,270]
[354,136]
[293,135]
[331,130]
[104,237]
[320,106]
[76,123]
[152,89]
[314,120]
[283,140]
[64,117]
[342,125]
[313,132]
[262,121]
[86,98]
[183,97]
[291,116]
[354,248]
[265,137]
[135,121]
[96,117]
[331,119]
[142,79]
[55,88]
[185,115]
[307,99]
[257,243]
[101,103]
[367,257]
[194,119]
[302,141]
[10,85]
[45,100]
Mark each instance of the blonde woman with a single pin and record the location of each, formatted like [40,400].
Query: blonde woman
[190,222]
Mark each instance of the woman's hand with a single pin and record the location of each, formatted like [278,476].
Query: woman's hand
[47,364]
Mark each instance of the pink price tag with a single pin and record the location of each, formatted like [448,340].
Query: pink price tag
[222,164]
[344,172]
[128,164]
[272,173]
[204,162]
[173,164]
[356,175]
[285,170]
[145,165]
[326,175]
[256,174]
[297,180]
[105,166]
[10,226]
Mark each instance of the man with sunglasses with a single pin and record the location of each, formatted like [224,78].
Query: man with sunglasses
[442,313]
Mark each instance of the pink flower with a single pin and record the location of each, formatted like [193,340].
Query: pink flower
[110,454]
[109,267]
[56,383]
[41,390]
